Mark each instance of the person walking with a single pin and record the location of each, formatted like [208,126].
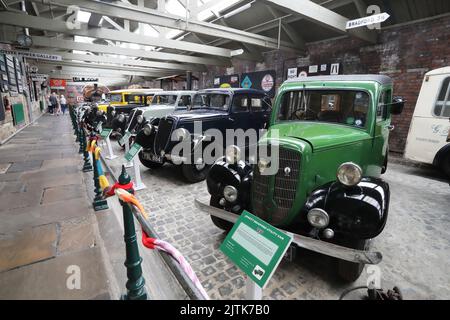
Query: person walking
[53,103]
[63,103]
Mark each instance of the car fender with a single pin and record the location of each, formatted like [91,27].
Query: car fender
[356,212]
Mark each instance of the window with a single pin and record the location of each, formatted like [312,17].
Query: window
[184,101]
[115,97]
[240,104]
[383,105]
[442,106]
[217,101]
[346,107]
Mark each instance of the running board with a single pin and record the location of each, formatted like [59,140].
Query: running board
[326,248]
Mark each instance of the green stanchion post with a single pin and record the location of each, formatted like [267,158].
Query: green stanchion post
[87,167]
[136,282]
[99,202]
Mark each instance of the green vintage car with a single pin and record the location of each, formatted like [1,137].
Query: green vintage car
[322,180]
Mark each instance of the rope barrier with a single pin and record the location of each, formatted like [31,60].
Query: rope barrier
[182,270]
[153,243]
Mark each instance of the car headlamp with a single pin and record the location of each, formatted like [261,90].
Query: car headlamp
[233,154]
[263,164]
[318,218]
[121,118]
[148,129]
[349,174]
[230,193]
[113,113]
[140,119]
[180,134]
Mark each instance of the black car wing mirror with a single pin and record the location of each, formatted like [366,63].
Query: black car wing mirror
[397,105]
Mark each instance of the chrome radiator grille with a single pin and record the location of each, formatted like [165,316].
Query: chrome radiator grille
[164,134]
[284,185]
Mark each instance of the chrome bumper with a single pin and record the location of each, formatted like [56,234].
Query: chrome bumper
[329,249]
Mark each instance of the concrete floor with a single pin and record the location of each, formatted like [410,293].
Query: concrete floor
[415,243]
[48,227]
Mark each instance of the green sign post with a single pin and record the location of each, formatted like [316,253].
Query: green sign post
[125,137]
[105,133]
[134,150]
[255,247]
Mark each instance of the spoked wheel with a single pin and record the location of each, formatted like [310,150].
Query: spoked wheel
[350,271]
[220,223]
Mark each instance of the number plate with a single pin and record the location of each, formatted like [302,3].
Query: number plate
[152,157]
[156,158]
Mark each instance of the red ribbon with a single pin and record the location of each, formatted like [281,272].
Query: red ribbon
[117,185]
[147,241]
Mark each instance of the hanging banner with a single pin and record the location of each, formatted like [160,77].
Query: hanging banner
[59,84]
[33,55]
[226,81]
[261,80]
[39,77]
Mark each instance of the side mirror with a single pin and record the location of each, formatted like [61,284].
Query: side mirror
[398,103]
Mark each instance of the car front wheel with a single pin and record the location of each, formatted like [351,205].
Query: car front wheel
[195,172]
[445,164]
[350,271]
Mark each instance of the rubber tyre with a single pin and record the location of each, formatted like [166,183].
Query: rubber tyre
[350,271]
[385,165]
[148,163]
[193,175]
[219,223]
[445,164]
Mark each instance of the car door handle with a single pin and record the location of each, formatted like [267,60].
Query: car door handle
[390,127]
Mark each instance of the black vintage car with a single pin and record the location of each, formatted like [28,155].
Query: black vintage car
[219,109]
[92,117]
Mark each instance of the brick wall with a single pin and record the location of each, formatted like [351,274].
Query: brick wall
[404,53]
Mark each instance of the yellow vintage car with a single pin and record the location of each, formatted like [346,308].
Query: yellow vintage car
[126,96]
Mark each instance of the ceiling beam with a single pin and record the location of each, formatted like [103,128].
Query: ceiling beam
[128,62]
[320,15]
[152,55]
[155,17]
[289,18]
[40,23]
[91,68]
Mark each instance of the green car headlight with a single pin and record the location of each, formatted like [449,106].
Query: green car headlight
[349,174]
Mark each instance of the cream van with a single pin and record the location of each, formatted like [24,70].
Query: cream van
[428,138]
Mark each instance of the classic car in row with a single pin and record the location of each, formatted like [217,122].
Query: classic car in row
[163,103]
[219,109]
[133,99]
[332,137]
[126,96]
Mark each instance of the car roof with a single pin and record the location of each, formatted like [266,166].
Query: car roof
[444,70]
[136,90]
[381,79]
[234,90]
[175,93]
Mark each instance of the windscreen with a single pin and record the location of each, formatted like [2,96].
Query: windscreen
[164,99]
[348,107]
[217,101]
